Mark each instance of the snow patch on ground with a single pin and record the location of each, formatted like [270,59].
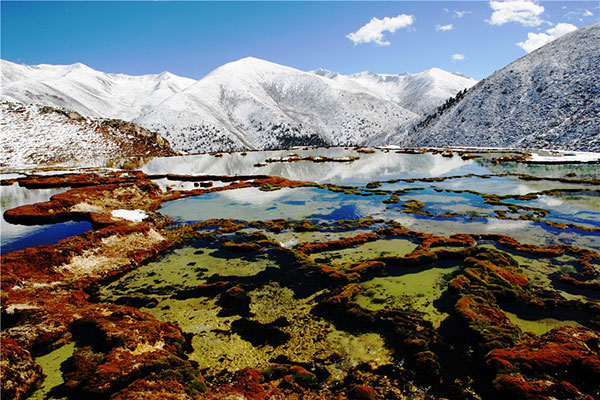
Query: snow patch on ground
[130,215]
[167,185]
[571,156]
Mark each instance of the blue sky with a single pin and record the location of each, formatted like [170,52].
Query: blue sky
[192,38]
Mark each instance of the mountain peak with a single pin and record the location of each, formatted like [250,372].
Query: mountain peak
[78,65]
[251,69]
[167,75]
[252,62]
[437,73]
[325,73]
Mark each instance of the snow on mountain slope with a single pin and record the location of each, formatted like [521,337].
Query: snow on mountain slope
[34,135]
[245,104]
[420,93]
[549,99]
[89,92]
[258,104]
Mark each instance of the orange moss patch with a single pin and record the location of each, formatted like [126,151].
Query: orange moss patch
[519,387]
[19,373]
[457,240]
[489,276]
[560,349]
[346,295]
[595,285]
[86,202]
[315,247]
[155,388]
[130,344]
[129,242]
[363,392]
[77,180]
[247,383]
[550,366]
[366,267]
[488,321]
[240,247]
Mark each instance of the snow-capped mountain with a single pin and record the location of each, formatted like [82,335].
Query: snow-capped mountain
[89,92]
[249,103]
[420,93]
[549,99]
[259,104]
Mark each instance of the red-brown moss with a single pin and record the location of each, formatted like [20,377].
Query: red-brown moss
[550,366]
[362,392]
[19,373]
[315,247]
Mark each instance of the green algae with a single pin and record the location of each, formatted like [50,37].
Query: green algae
[582,200]
[188,266]
[369,250]
[540,326]
[291,238]
[177,268]
[313,337]
[540,270]
[413,291]
[51,364]
[217,347]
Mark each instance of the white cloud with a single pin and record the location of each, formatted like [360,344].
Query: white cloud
[444,28]
[578,13]
[537,40]
[524,12]
[457,13]
[458,57]
[373,30]
[460,14]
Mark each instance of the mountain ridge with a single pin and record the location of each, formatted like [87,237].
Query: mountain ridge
[43,135]
[420,93]
[549,98]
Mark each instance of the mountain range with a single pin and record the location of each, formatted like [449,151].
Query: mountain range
[246,104]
